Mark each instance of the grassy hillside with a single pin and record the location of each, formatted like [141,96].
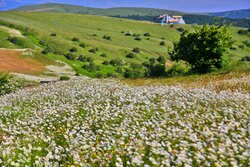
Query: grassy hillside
[65,8]
[244,13]
[90,30]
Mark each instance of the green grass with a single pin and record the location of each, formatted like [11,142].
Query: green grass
[65,8]
[68,26]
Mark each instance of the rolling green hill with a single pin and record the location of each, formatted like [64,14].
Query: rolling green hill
[101,40]
[148,14]
[244,13]
[65,8]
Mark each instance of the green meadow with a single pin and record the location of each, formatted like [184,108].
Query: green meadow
[90,31]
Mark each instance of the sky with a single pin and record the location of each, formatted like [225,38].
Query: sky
[180,5]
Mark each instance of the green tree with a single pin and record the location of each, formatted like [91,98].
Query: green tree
[204,48]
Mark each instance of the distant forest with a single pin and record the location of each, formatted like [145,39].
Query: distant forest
[196,19]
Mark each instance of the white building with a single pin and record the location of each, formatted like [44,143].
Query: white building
[168,19]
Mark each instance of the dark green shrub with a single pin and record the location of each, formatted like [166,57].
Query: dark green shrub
[103,55]
[91,67]
[94,50]
[148,38]
[53,34]
[130,55]
[136,50]
[64,78]
[75,39]
[14,40]
[122,32]
[129,33]
[162,43]
[9,83]
[161,59]
[147,34]
[146,64]
[74,49]
[90,59]
[246,58]
[247,43]
[82,45]
[107,37]
[82,58]
[71,56]
[233,47]
[43,43]
[152,60]
[180,29]
[157,70]
[242,46]
[134,71]
[94,35]
[48,50]
[204,49]
[105,62]
[111,75]
[138,37]
[119,70]
[117,62]
[243,32]
[100,75]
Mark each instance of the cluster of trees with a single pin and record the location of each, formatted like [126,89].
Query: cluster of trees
[203,49]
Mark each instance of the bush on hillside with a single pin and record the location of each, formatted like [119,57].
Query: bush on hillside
[103,55]
[105,62]
[243,32]
[82,45]
[64,78]
[91,67]
[130,55]
[161,59]
[147,34]
[15,40]
[94,50]
[136,50]
[134,71]
[75,39]
[117,62]
[74,49]
[82,58]
[90,59]
[138,37]
[178,68]
[129,33]
[180,29]
[204,49]
[247,43]
[107,37]
[162,43]
[53,34]
[246,58]
[48,50]
[9,83]
[71,56]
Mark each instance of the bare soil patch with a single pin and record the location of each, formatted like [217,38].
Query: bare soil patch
[12,61]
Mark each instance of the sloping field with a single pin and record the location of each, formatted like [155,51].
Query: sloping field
[91,32]
[12,61]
